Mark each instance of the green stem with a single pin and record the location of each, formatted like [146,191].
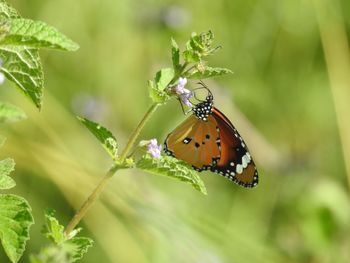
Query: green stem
[135,134]
[132,139]
[90,200]
[99,188]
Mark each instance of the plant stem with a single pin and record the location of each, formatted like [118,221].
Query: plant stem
[99,188]
[135,134]
[90,200]
[132,139]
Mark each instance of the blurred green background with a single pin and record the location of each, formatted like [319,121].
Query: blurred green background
[286,97]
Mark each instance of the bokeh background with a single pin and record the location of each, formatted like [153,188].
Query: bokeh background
[289,97]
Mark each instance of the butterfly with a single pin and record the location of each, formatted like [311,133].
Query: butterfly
[207,140]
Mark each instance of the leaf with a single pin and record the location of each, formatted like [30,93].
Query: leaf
[191,56]
[77,247]
[6,11]
[163,78]
[208,72]
[23,67]
[199,46]
[10,113]
[169,166]
[175,55]
[36,34]
[157,87]
[107,139]
[53,230]
[51,254]
[67,248]
[15,221]
[157,96]
[6,167]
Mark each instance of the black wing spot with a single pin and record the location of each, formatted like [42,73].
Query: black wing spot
[207,136]
[197,144]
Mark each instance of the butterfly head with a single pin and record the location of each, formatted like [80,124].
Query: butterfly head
[203,109]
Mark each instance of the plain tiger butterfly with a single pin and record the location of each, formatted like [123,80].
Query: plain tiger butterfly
[207,140]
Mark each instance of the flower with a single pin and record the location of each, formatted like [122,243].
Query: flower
[154,149]
[184,93]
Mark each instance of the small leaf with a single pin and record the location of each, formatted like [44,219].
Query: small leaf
[77,247]
[157,96]
[53,230]
[199,46]
[208,72]
[36,34]
[6,167]
[10,113]
[191,56]
[51,254]
[175,55]
[163,78]
[67,248]
[15,221]
[106,138]
[171,167]
[157,87]
[23,67]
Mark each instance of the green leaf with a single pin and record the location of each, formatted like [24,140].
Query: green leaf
[191,56]
[77,247]
[157,96]
[51,254]
[6,167]
[208,72]
[53,230]
[6,11]
[171,167]
[15,221]
[36,34]
[175,55]
[199,46]
[22,66]
[106,138]
[10,113]
[163,78]
[67,248]
[157,87]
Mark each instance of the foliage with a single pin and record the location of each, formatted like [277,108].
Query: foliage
[65,248]
[19,43]
[171,167]
[106,138]
[20,40]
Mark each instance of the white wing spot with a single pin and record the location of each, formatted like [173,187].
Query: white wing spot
[239,168]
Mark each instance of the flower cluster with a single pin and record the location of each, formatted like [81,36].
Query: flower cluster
[154,149]
[184,93]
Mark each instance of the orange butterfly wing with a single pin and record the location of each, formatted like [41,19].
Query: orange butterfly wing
[235,160]
[194,141]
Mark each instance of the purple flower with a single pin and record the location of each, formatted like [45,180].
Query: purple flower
[154,149]
[184,93]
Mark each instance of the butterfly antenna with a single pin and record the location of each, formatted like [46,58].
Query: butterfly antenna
[203,86]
